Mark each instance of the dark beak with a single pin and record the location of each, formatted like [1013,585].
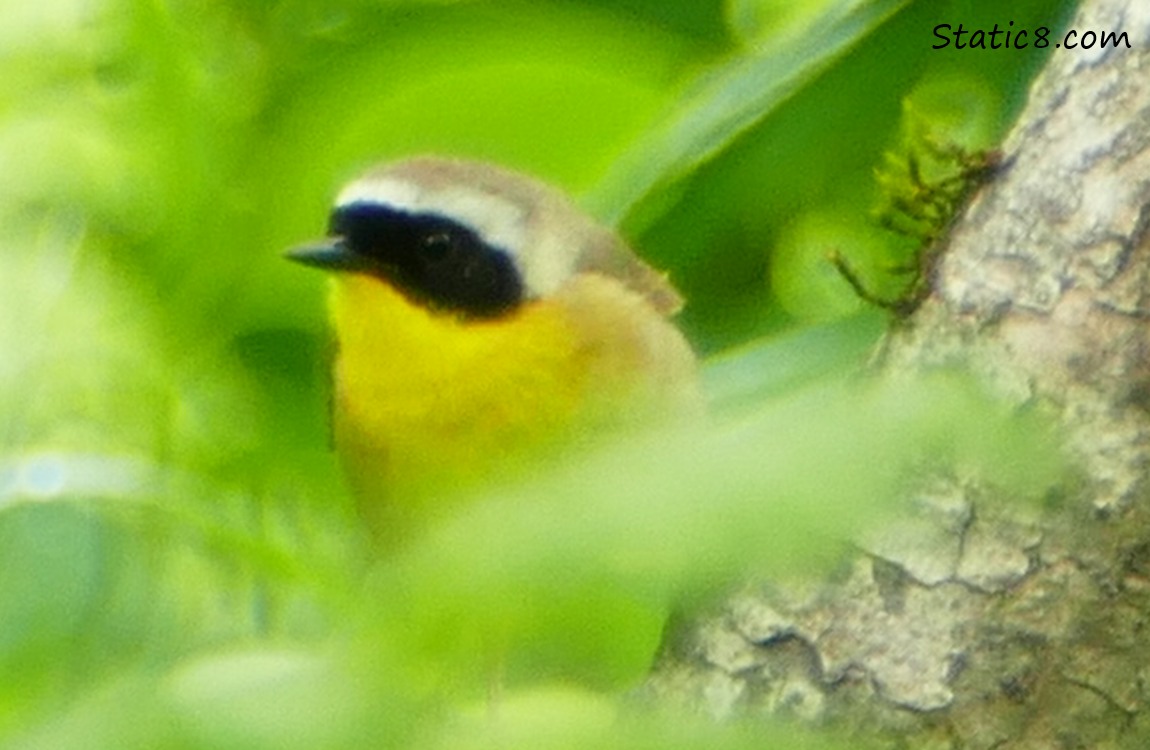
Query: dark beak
[330,254]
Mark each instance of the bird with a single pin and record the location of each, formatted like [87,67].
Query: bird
[482,323]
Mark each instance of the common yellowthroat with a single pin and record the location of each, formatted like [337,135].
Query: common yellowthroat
[482,320]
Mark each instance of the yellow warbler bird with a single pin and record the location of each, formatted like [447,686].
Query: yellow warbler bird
[483,321]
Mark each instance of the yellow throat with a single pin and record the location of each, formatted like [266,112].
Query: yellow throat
[427,404]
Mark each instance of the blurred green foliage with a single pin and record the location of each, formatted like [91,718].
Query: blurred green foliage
[179,563]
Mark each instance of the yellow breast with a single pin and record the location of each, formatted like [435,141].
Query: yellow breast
[426,402]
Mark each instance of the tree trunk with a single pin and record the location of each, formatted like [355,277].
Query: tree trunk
[974,624]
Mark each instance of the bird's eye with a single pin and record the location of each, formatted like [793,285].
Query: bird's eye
[436,246]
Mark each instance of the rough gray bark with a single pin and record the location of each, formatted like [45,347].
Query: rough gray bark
[972,624]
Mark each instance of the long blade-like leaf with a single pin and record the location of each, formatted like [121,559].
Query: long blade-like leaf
[725,102]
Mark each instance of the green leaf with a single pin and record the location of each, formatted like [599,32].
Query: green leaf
[725,102]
